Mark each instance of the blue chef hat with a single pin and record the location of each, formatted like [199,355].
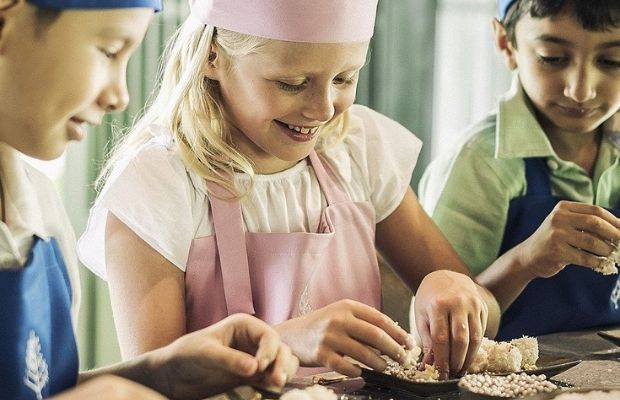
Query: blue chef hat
[504,6]
[93,4]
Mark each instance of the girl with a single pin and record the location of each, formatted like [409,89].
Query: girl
[253,185]
[48,100]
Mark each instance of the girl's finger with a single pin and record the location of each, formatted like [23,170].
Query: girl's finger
[459,342]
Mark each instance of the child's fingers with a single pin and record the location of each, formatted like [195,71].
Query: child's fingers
[387,325]
[477,325]
[459,342]
[260,335]
[440,344]
[593,214]
[232,360]
[284,367]
[375,337]
[339,364]
[268,349]
[359,351]
[591,243]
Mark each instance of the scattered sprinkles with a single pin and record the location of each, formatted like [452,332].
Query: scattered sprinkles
[508,386]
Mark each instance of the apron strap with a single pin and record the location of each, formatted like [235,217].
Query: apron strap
[230,236]
[537,176]
[327,180]
[230,241]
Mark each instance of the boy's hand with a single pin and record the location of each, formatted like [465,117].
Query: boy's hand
[240,349]
[451,318]
[345,328]
[111,387]
[573,233]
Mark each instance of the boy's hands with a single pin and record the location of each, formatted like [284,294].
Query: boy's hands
[573,233]
[345,328]
[238,350]
[111,387]
[451,318]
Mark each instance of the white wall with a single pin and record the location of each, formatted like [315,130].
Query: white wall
[469,73]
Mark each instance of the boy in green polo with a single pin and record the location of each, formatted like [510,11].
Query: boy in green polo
[537,182]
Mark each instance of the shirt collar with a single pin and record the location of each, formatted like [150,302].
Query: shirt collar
[611,131]
[23,213]
[519,135]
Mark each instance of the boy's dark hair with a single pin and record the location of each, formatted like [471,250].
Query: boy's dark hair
[45,18]
[593,15]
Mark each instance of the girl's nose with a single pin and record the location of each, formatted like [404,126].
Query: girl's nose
[319,105]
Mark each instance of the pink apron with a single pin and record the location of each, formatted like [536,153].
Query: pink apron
[278,276]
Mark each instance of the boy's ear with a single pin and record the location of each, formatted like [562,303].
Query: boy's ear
[503,44]
[6,4]
[5,8]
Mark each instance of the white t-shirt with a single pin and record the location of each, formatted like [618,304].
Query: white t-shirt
[165,204]
[33,208]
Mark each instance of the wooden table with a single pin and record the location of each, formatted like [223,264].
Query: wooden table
[600,368]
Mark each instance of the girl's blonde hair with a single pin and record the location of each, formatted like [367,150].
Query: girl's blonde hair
[188,105]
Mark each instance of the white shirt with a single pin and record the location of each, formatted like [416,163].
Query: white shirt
[165,204]
[33,208]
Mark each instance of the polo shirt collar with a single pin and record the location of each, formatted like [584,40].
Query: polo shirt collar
[518,133]
[24,216]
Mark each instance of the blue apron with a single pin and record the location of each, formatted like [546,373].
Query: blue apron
[576,297]
[38,353]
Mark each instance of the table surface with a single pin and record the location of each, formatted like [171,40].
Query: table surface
[600,367]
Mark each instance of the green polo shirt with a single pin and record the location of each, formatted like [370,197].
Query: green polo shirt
[467,191]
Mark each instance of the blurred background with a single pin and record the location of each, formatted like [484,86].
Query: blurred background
[433,68]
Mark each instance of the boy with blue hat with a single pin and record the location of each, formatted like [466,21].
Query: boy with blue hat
[537,182]
[62,67]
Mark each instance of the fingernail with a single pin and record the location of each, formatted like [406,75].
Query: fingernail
[282,378]
[247,366]
[263,363]
[410,342]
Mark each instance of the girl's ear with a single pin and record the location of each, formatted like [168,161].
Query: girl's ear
[504,44]
[213,67]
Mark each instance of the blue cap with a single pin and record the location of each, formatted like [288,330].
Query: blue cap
[97,4]
[504,6]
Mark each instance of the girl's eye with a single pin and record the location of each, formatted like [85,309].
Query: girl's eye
[553,61]
[348,80]
[287,87]
[609,63]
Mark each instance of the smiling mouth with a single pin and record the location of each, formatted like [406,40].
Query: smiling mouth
[302,129]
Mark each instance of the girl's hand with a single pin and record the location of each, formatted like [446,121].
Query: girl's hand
[451,318]
[345,328]
[573,233]
[240,349]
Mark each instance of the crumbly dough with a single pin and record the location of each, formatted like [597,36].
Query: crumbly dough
[314,392]
[499,357]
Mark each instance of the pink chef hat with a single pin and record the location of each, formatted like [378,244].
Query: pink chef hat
[314,21]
